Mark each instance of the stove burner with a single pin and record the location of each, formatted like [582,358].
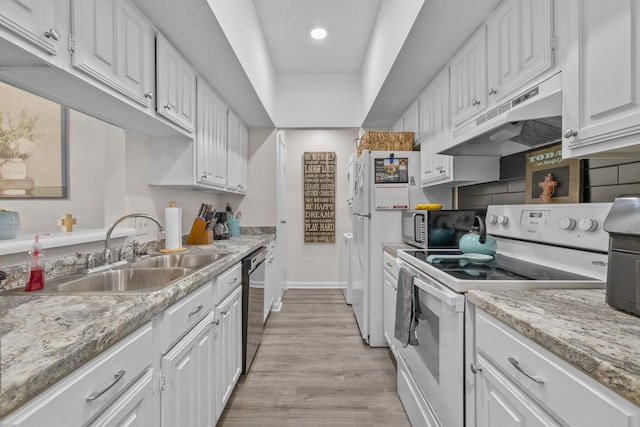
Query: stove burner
[501,268]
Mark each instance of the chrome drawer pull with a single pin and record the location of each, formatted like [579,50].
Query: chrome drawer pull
[117,377]
[198,308]
[516,364]
[233,281]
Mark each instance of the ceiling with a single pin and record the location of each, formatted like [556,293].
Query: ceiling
[285,26]
[245,49]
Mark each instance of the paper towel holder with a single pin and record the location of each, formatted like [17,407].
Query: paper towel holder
[178,249]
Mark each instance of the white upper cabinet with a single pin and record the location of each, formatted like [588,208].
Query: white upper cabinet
[411,120]
[33,22]
[435,132]
[515,46]
[600,78]
[211,138]
[469,78]
[113,42]
[176,85]
[236,154]
[520,45]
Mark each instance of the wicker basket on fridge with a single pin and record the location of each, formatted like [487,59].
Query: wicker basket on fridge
[386,141]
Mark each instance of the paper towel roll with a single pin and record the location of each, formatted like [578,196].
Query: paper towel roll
[173,228]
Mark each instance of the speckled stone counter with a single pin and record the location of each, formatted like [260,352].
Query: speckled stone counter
[45,337]
[577,326]
[393,248]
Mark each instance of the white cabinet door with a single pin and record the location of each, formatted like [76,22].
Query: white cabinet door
[600,77]
[238,145]
[389,311]
[435,130]
[411,120]
[228,347]
[233,151]
[33,21]
[499,402]
[519,45]
[243,143]
[187,386]
[114,44]
[469,78]
[176,85]
[211,138]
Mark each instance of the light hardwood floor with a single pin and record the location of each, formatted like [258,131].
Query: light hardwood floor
[313,369]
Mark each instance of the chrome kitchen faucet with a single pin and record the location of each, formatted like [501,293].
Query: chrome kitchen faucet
[107,250]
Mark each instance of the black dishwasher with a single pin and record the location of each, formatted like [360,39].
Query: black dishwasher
[253,278]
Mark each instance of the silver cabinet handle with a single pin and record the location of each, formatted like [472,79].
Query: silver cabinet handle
[235,279]
[52,34]
[117,377]
[204,175]
[167,106]
[216,322]
[492,91]
[148,95]
[390,265]
[568,133]
[475,368]
[475,102]
[198,308]
[283,221]
[516,364]
[224,313]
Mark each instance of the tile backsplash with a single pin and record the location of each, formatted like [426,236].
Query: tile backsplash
[602,181]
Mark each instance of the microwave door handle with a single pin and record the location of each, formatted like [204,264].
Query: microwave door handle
[454,301]
[418,220]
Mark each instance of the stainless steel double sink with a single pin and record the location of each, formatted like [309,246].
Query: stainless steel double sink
[148,275]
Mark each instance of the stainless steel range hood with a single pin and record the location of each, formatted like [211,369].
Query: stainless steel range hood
[531,119]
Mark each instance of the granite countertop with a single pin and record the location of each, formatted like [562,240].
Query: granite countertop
[579,327]
[45,337]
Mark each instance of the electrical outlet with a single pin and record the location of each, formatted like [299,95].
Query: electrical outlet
[142,226]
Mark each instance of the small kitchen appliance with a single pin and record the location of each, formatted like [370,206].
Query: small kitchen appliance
[221,227]
[623,278]
[559,246]
[440,229]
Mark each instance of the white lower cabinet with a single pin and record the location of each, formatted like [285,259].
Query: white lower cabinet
[389,301]
[520,383]
[188,378]
[114,389]
[270,282]
[228,347]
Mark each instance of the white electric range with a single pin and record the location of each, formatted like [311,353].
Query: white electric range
[539,247]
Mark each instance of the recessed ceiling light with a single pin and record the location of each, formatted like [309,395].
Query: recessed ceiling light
[318,32]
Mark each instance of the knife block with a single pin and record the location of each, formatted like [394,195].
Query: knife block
[199,235]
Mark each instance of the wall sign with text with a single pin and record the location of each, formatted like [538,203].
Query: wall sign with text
[319,175]
[552,179]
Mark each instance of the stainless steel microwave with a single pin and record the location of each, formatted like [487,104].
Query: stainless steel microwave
[436,229]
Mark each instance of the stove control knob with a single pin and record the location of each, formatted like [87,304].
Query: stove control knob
[503,219]
[492,219]
[567,223]
[588,224]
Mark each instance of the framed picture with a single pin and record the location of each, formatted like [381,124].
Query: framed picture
[33,146]
[552,179]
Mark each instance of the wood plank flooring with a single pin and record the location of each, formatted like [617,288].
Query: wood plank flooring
[314,369]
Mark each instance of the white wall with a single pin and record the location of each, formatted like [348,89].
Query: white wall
[314,101]
[315,264]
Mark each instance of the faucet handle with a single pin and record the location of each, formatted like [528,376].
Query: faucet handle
[108,256]
[89,261]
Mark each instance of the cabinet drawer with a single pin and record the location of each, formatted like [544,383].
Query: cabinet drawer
[227,282]
[92,388]
[390,264]
[561,388]
[183,315]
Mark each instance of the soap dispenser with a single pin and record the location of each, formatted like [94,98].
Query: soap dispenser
[36,267]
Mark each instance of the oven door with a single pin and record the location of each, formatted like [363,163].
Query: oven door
[437,362]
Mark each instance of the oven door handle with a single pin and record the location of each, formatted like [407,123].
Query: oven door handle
[450,298]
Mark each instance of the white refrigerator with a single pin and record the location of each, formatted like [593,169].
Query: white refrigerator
[377,219]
